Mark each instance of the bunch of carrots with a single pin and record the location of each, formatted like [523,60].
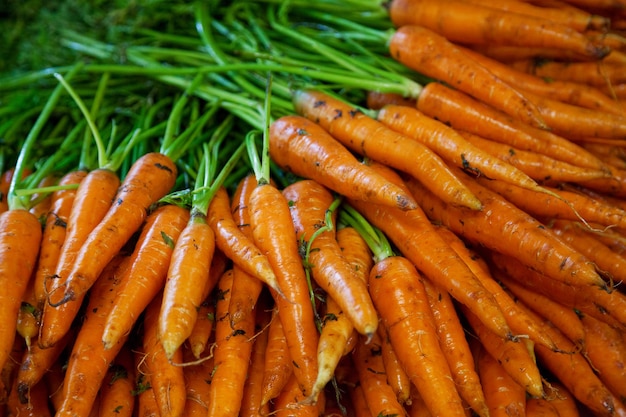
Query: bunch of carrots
[350,208]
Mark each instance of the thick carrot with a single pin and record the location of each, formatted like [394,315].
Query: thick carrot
[313,215]
[116,394]
[462,112]
[491,26]
[231,355]
[504,228]
[540,167]
[306,149]
[274,233]
[147,271]
[277,365]
[423,50]
[504,396]
[369,366]
[446,142]
[20,237]
[89,360]
[595,73]
[455,347]
[149,178]
[92,200]
[166,375]
[371,138]
[400,298]
[416,238]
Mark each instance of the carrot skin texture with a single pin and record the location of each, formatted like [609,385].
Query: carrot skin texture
[277,364]
[410,325]
[20,237]
[397,377]
[307,150]
[116,395]
[275,235]
[146,275]
[188,271]
[373,139]
[150,177]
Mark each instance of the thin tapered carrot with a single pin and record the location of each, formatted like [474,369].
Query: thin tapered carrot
[462,112]
[306,149]
[356,251]
[517,357]
[89,360]
[357,401]
[564,318]
[373,139]
[116,394]
[166,375]
[397,377]
[512,231]
[411,328]
[146,398]
[93,198]
[376,100]
[289,402]
[455,347]
[231,355]
[605,348]
[148,267]
[20,237]
[451,146]
[230,239]
[28,315]
[369,366]
[421,49]
[278,368]
[313,212]
[591,73]
[274,233]
[596,302]
[504,396]
[493,26]
[540,167]
[575,373]
[416,238]
[197,384]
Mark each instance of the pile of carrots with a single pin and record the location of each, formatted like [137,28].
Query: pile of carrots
[415,208]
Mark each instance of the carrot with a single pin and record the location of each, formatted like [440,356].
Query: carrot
[397,377]
[464,113]
[370,138]
[563,400]
[605,348]
[511,231]
[89,361]
[197,384]
[93,198]
[376,100]
[456,348]
[37,405]
[5,182]
[289,402]
[411,327]
[355,250]
[595,73]
[20,237]
[277,365]
[573,93]
[313,212]
[166,375]
[144,392]
[492,26]
[357,401]
[274,234]
[414,46]
[446,142]
[304,148]
[54,381]
[28,315]
[116,397]
[231,355]
[504,396]
[575,373]
[369,366]
[540,167]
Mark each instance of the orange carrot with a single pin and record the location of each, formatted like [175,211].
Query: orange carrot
[304,148]
[146,273]
[146,397]
[92,200]
[289,402]
[369,137]
[563,400]
[116,394]
[504,228]
[20,237]
[277,364]
[491,26]
[37,405]
[231,355]
[411,327]
[89,360]
[313,212]
[376,100]
[397,377]
[356,251]
[416,238]
[504,396]
[197,384]
[462,112]
[595,73]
